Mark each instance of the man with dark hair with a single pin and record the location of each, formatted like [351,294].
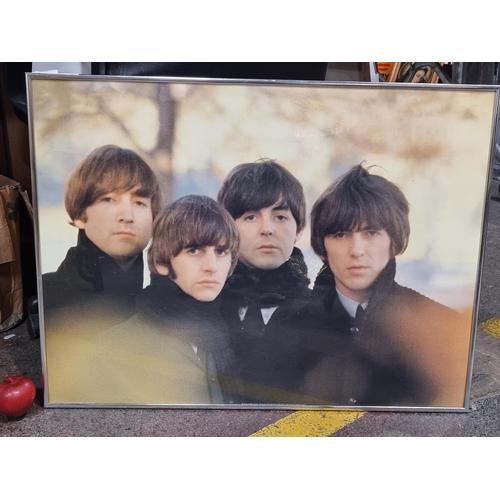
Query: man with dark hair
[376,342]
[270,281]
[112,198]
[176,348]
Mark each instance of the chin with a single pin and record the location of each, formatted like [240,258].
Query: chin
[268,267]
[205,298]
[266,264]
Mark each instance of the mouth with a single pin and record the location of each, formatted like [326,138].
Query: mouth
[208,282]
[267,248]
[358,269]
[124,233]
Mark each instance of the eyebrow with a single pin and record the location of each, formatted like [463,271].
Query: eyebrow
[281,206]
[142,192]
[370,228]
[358,229]
[221,244]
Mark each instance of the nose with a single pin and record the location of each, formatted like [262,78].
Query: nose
[126,211]
[266,225]
[357,245]
[210,263]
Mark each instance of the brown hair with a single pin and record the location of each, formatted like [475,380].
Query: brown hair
[105,170]
[192,221]
[358,199]
[253,186]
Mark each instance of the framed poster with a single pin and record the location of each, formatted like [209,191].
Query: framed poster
[235,244]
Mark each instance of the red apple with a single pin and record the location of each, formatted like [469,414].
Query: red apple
[16,395]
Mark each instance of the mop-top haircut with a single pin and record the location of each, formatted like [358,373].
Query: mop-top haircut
[357,201]
[110,169]
[254,186]
[193,221]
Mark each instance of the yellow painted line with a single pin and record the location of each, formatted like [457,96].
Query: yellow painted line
[492,326]
[309,424]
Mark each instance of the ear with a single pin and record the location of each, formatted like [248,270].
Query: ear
[298,236]
[79,223]
[163,270]
[393,253]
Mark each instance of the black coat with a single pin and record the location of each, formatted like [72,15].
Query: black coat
[407,351]
[89,290]
[174,350]
[269,355]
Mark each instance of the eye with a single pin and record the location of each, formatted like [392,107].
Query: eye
[281,217]
[220,252]
[106,199]
[193,251]
[249,217]
[372,232]
[340,236]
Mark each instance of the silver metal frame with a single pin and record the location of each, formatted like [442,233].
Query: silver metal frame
[30,77]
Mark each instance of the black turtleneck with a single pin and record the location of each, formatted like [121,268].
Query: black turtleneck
[201,324]
[90,287]
[97,268]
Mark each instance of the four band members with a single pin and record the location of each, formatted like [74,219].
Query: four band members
[230,315]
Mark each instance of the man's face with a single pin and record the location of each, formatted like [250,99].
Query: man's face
[267,237]
[356,258]
[119,223]
[200,272]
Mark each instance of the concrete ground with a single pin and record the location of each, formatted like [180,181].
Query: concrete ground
[20,354]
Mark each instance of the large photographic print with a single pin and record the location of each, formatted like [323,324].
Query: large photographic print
[229,244]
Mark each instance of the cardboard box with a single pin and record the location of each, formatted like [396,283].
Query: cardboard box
[11,283]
